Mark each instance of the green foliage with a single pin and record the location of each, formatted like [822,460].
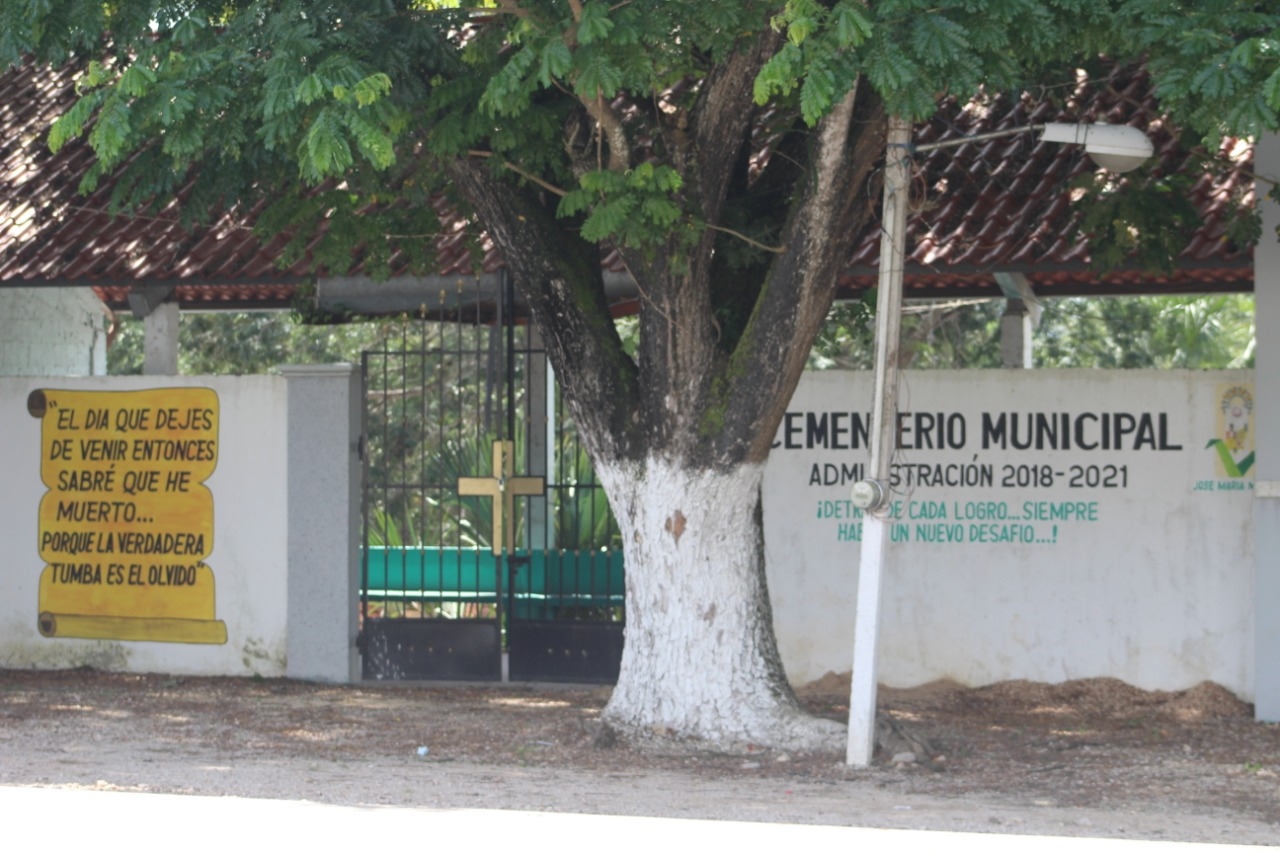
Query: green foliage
[633,207]
[912,51]
[444,517]
[436,405]
[934,335]
[1202,332]
[1215,62]
[1147,223]
[847,340]
[1131,332]
[582,516]
[228,343]
[254,90]
[383,531]
[1148,332]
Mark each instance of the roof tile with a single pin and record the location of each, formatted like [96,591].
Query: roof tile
[986,207]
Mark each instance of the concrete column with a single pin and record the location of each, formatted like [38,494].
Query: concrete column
[1021,316]
[1266,504]
[1015,335]
[325,412]
[160,345]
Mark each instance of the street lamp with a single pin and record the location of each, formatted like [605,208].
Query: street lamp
[1114,147]
[1117,148]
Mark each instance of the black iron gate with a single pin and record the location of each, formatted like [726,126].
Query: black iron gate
[489,548]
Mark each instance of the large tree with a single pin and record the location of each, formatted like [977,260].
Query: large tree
[727,150]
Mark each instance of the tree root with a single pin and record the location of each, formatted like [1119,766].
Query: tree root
[787,730]
[783,729]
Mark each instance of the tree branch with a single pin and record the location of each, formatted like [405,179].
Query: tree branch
[529,176]
[510,7]
[680,345]
[824,221]
[560,278]
[723,113]
[777,250]
[612,130]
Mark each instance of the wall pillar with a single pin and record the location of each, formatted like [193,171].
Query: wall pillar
[1266,504]
[1015,335]
[325,417]
[1021,317]
[160,345]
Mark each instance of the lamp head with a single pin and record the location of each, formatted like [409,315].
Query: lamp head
[1114,147]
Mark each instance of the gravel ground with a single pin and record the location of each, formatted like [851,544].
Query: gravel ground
[1092,757]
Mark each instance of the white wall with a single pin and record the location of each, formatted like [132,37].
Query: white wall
[1152,584]
[52,331]
[249,555]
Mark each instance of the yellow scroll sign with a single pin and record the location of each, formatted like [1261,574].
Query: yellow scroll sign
[127,523]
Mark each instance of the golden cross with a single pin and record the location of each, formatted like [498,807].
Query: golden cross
[502,487]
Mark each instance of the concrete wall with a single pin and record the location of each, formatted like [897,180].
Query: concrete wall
[1120,545]
[1130,558]
[247,556]
[52,331]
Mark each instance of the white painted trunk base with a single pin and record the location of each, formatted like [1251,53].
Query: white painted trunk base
[700,658]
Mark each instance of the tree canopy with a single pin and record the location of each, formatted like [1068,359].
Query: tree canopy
[268,95]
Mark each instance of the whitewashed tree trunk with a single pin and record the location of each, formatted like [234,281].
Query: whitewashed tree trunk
[700,657]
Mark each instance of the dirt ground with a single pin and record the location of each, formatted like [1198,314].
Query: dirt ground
[1092,757]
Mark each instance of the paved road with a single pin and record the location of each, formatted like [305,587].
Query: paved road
[69,819]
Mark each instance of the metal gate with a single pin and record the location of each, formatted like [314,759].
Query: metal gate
[489,549]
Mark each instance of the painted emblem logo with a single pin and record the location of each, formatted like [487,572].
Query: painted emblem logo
[1234,441]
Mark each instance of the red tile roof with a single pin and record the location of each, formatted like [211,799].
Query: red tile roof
[997,206]
[50,234]
[1004,205]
